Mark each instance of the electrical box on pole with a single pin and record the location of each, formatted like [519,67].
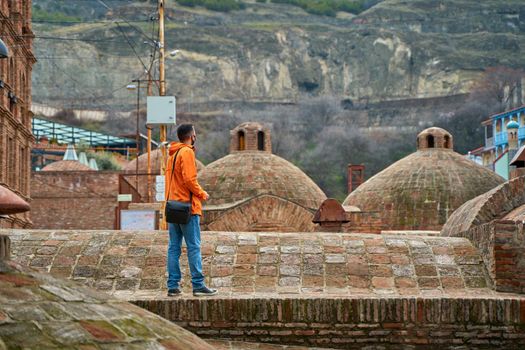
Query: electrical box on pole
[161,110]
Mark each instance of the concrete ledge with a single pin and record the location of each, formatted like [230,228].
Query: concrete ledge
[351,323]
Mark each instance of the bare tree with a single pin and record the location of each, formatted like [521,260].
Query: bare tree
[497,86]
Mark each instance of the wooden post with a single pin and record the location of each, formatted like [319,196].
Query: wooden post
[162,92]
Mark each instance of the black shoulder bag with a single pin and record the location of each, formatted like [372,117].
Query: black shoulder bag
[177,212]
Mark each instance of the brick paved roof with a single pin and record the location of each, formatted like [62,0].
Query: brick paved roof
[247,174]
[66,165]
[132,264]
[38,311]
[156,159]
[420,191]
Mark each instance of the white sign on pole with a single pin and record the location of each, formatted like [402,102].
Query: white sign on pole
[124,198]
[161,110]
[160,188]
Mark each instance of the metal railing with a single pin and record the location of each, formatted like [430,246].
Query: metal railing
[500,138]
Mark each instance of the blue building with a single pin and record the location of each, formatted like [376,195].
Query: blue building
[504,135]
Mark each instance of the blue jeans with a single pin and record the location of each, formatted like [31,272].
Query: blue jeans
[192,236]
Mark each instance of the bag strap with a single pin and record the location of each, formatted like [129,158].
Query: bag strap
[172,174]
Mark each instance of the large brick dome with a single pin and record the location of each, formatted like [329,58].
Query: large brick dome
[251,170]
[244,175]
[422,190]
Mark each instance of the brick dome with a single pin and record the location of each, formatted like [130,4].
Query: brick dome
[42,312]
[156,159]
[420,191]
[66,165]
[247,174]
[251,170]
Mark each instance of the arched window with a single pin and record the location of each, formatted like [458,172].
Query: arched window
[260,141]
[447,141]
[242,141]
[430,141]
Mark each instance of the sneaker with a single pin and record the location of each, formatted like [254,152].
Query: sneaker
[204,291]
[174,292]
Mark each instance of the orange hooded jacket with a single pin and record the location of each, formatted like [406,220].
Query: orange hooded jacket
[184,178]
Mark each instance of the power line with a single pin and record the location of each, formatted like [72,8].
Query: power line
[140,31]
[84,22]
[131,45]
[78,39]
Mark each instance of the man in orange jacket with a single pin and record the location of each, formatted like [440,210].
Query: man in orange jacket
[182,185]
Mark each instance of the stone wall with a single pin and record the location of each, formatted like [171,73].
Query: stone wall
[501,244]
[74,200]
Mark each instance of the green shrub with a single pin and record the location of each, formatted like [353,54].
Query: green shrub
[42,15]
[326,7]
[214,5]
[105,160]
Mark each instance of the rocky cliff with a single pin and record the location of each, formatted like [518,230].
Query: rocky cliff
[398,49]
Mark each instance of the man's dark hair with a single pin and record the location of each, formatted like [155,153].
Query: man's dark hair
[184,131]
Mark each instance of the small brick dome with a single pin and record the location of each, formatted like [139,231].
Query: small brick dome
[250,136]
[249,172]
[420,191]
[66,165]
[156,159]
[434,138]
[513,125]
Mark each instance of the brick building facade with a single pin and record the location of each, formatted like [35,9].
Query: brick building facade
[15,101]
[74,199]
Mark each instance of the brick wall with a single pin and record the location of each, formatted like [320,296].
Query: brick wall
[74,200]
[262,213]
[367,222]
[501,244]
[354,323]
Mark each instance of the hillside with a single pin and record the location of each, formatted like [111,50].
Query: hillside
[272,52]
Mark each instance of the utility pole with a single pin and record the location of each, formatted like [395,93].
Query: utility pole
[148,127]
[162,92]
[137,138]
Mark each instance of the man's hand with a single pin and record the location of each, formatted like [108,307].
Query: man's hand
[206,196]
